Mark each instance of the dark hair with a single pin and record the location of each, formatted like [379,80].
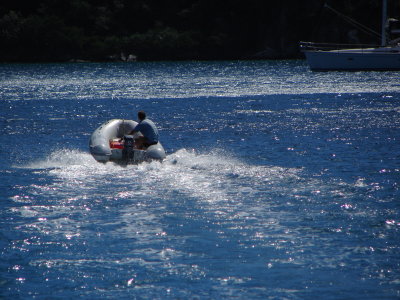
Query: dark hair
[141,115]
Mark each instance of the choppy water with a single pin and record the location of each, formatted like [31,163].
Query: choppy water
[279,183]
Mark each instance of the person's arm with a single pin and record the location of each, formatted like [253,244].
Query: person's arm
[136,129]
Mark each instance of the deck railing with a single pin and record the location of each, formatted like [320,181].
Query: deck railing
[311,46]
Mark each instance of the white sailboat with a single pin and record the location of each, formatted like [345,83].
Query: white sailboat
[326,57]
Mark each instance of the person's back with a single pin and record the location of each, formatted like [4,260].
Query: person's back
[149,130]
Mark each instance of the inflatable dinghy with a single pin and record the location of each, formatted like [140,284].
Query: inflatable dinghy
[112,142]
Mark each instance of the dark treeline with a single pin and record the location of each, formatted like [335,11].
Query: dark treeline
[99,30]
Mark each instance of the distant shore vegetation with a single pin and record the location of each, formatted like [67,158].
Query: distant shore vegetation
[130,30]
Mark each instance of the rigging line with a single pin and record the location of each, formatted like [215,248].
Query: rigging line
[354,22]
[319,21]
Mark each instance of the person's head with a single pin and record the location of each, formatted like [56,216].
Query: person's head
[141,115]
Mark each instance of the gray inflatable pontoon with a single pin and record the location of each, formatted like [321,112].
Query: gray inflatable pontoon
[112,142]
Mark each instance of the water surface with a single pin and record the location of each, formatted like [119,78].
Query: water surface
[279,183]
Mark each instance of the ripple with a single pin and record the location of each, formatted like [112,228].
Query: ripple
[197,79]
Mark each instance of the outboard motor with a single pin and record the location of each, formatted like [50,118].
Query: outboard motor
[128,152]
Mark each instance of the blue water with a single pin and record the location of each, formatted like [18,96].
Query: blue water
[279,183]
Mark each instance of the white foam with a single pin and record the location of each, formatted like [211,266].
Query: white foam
[61,158]
[211,177]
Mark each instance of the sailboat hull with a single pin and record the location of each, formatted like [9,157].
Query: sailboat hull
[353,60]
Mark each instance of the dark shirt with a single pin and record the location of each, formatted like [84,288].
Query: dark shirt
[148,129]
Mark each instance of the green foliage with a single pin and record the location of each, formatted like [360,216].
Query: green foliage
[61,30]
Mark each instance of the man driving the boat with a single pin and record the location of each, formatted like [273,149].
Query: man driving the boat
[148,129]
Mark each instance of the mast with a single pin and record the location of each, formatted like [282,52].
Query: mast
[384,17]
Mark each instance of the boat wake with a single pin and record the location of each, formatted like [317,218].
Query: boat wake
[212,180]
[62,158]
[210,177]
[211,195]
